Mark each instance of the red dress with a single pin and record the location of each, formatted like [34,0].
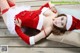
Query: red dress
[30,19]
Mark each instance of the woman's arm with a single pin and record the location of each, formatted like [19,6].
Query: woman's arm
[22,35]
[42,34]
[49,5]
[30,40]
[52,7]
[49,9]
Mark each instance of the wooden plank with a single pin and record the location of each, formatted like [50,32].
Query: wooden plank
[43,50]
[69,6]
[39,3]
[2,24]
[41,44]
[30,0]
[28,31]
[5,32]
[31,3]
[14,40]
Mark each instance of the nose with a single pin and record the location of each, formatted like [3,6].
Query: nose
[58,21]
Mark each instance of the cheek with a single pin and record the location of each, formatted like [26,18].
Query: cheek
[58,25]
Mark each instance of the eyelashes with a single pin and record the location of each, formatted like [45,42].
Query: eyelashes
[62,24]
[62,18]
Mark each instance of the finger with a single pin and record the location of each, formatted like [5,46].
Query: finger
[19,20]
[16,22]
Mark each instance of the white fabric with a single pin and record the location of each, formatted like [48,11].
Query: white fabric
[41,18]
[32,42]
[71,38]
[69,22]
[10,14]
[78,31]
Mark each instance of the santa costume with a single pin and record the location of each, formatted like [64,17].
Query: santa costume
[32,19]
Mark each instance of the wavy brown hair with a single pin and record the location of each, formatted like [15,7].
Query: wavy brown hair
[57,30]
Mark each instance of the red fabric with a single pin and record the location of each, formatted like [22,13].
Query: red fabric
[4,11]
[75,23]
[45,5]
[22,35]
[29,19]
[78,25]
[11,4]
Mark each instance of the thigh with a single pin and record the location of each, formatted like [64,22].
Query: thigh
[11,3]
[4,5]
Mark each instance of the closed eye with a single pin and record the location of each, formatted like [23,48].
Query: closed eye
[62,24]
[62,18]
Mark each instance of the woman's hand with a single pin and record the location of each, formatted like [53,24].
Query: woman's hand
[52,6]
[18,22]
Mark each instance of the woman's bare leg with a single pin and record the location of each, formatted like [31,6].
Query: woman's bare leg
[4,6]
[11,3]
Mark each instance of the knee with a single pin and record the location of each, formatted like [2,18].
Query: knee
[4,10]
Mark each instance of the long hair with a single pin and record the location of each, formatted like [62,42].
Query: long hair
[57,30]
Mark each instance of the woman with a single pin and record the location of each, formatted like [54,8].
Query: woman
[61,23]
[41,19]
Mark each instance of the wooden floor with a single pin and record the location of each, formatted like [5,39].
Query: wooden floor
[15,44]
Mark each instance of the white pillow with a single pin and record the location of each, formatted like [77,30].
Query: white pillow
[71,38]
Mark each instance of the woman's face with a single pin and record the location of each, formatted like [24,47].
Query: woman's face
[60,21]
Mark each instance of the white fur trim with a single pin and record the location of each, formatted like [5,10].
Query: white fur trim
[44,9]
[41,18]
[69,22]
[10,14]
[78,31]
[40,22]
[32,42]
